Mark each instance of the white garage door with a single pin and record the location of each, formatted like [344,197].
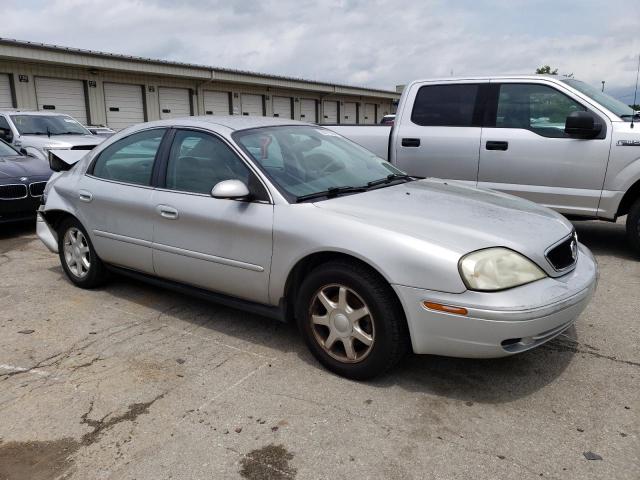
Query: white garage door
[349,113]
[216,103]
[6,100]
[329,112]
[252,105]
[123,104]
[282,107]
[174,102]
[62,96]
[369,113]
[308,110]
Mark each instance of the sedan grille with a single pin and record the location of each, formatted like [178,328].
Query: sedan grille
[36,189]
[565,254]
[13,192]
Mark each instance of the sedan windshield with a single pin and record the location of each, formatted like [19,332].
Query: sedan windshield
[305,161]
[620,109]
[6,150]
[48,125]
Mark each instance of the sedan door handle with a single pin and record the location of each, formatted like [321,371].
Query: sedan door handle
[85,196]
[168,212]
[410,142]
[492,145]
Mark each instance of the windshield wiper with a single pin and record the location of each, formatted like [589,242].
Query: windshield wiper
[390,178]
[330,192]
[630,115]
[68,133]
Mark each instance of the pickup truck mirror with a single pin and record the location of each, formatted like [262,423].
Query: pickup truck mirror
[582,125]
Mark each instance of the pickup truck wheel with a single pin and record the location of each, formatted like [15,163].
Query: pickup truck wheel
[633,226]
[78,257]
[351,320]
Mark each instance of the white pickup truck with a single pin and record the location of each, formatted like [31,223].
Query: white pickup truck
[556,141]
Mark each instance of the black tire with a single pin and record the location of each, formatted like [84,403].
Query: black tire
[390,333]
[633,226]
[91,277]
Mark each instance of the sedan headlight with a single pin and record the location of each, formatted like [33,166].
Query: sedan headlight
[497,269]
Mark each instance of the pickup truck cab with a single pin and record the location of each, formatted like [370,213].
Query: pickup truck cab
[35,133]
[556,141]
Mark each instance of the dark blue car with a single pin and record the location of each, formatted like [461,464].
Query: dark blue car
[22,181]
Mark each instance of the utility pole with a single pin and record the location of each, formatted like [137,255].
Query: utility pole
[603,85]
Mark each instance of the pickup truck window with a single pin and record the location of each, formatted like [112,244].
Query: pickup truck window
[445,105]
[623,111]
[534,107]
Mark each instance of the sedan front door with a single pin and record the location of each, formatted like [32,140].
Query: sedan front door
[217,244]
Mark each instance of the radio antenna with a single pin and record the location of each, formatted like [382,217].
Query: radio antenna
[635,93]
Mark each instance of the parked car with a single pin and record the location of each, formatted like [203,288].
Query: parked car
[100,130]
[22,181]
[35,133]
[388,120]
[556,141]
[290,220]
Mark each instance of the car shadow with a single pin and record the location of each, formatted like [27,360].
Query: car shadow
[605,238]
[478,380]
[16,229]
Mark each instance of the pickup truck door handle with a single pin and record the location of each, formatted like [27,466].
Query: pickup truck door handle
[85,196]
[497,145]
[168,212]
[410,142]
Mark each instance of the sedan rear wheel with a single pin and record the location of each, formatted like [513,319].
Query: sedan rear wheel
[77,255]
[351,320]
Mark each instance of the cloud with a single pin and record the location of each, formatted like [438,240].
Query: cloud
[378,43]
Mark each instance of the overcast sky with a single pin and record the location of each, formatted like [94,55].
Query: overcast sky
[379,43]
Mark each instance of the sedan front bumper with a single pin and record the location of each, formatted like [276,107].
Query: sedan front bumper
[499,323]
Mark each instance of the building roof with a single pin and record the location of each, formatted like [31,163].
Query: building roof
[140,61]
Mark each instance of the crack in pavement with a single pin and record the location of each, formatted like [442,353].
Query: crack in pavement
[100,426]
[570,345]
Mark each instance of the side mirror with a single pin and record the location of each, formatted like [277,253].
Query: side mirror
[582,125]
[23,151]
[230,189]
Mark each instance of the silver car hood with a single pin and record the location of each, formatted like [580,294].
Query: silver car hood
[60,141]
[459,218]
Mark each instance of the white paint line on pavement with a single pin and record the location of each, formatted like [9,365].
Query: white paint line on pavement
[14,368]
[231,387]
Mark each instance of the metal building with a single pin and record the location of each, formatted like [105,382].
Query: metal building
[100,88]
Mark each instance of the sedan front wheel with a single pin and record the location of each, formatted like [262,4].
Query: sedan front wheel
[351,320]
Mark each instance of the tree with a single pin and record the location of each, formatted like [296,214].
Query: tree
[546,69]
[636,107]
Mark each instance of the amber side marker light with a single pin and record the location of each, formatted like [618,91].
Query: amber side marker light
[445,308]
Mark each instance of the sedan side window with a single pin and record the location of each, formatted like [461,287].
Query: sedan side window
[534,107]
[198,161]
[130,160]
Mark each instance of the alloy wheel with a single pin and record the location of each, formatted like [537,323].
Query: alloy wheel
[342,323]
[76,252]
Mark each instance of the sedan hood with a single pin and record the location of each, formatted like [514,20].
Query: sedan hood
[458,218]
[22,166]
[60,141]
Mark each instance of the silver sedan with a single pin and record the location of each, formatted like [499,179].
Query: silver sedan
[292,221]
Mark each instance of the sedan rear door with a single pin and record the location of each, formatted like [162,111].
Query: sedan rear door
[114,200]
